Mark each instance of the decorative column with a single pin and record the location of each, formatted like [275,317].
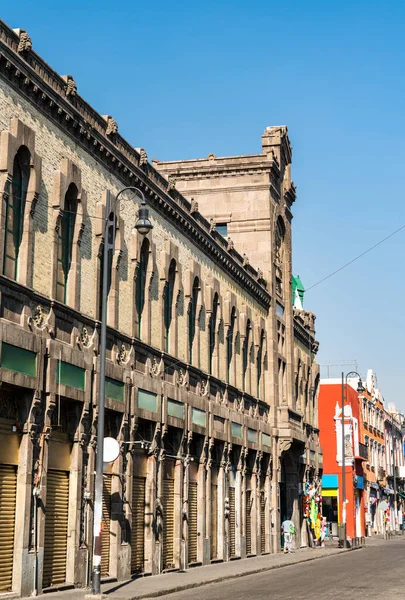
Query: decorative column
[259,524]
[222,495]
[269,508]
[201,515]
[179,507]
[208,500]
[75,565]
[27,475]
[255,511]
[275,488]
[241,485]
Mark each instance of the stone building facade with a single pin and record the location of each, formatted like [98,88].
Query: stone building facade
[211,385]
[249,200]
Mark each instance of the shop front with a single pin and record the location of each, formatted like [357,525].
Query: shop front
[330,504]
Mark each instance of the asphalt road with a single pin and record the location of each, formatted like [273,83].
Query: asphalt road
[374,572]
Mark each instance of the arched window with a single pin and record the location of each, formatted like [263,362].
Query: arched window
[65,242]
[229,344]
[259,362]
[14,212]
[141,285]
[279,254]
[245,353]
[192,315]
[212,326]
[168,302]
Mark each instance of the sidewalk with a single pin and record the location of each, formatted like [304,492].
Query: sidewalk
[159,585]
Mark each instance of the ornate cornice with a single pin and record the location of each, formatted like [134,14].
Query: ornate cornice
[31,77]
[302,334]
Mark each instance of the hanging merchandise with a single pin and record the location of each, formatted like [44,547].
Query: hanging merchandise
[312,508]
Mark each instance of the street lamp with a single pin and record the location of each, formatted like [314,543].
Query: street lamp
[143,226]
[360,388]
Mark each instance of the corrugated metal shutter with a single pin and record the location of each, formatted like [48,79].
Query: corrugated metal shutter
[262,523]
[106,525]
[138,525]
[232,522]
[192,522]
[248,522]
[56,528]
[214,521]
[168,523]
[8,491]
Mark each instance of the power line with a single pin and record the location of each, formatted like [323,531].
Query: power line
[356,258]
[306,290]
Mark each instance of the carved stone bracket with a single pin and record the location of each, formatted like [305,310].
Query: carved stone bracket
[42,320]
[230,245]
[194,206]
[123,354]
[182,378]
[284,445]
[143,157]
[204,387]
[87,340]
[71,87]
[171,183]
[156,367]
[83,429]
[112,125]
[25,43]
[155,448]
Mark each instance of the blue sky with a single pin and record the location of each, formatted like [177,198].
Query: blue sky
[184,79]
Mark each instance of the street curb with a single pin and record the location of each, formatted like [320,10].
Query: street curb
[189,586]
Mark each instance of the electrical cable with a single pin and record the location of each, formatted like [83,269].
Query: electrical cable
[306,290]
[356,258]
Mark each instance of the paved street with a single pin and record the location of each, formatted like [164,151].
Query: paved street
[373,572]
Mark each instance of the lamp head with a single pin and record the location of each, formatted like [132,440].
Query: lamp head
[143,224]
[360,386]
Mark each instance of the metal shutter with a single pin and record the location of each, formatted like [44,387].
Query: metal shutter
[106,524]
[8,492]
[214,521]
[56,528]
[248,522]
[168,523]
[262,523]
[192,522]
[232,522]
[138,525]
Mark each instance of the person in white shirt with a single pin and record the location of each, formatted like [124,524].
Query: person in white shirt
[288,529]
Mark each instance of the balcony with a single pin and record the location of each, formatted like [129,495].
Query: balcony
[363,452]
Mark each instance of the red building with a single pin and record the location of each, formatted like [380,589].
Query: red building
[330,425]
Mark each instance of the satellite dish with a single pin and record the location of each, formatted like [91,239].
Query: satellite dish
[111,449]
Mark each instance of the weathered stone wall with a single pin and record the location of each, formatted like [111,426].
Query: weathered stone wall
[53,146]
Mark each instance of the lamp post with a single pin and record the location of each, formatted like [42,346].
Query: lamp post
[143,226]
[360,388]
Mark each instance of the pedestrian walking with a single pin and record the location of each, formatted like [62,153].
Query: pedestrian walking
[324,526]
[288,529]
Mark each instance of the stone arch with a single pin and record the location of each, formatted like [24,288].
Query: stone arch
[12,140]
[68,174]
